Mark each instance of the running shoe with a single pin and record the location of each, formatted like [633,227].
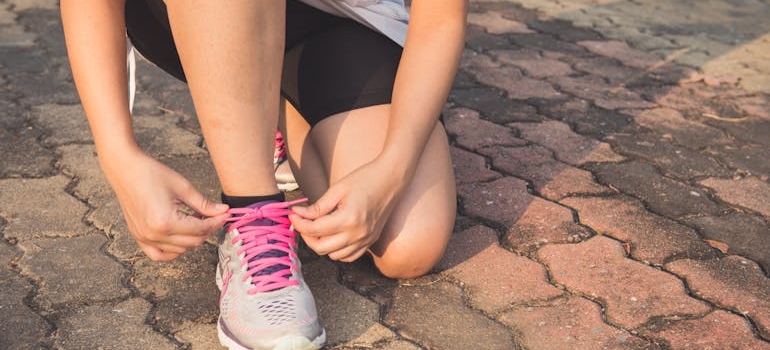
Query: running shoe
[283,175]
[264,303]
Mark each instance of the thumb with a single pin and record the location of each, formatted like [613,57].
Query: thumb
[198,202]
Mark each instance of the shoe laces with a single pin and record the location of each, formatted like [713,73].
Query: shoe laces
[280,148]
[267,245]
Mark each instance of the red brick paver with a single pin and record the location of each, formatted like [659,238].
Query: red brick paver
[633,293]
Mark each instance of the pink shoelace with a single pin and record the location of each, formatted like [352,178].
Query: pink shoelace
[268,249]
[280,147]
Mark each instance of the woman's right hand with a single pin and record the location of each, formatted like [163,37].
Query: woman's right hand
[156,203]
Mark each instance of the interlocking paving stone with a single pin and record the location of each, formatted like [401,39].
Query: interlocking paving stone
[82,274]
[476,38]
[469,131]
[23,156]
[529,221]
[110,326]
[652,238]
[515,84]
[717,330]
[685,132]
[732,282]
[80,162]
[170,285]
[604,67]
[601,93]
[532,163]
[568,323]
[587,119]
[22,328]
[495,23]
[622,52]
[494,106]
[347,316]
[470,167]
[631,292]
[40,208]
[62,124]
[662,195]
[750,193]
[434,316]
[568,146]
[572,181]
[160,136]
[744,234]
[495,278]
[751,160]
[536,67]
[673,160]
[199,336]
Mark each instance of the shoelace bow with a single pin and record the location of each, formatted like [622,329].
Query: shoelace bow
[260,244]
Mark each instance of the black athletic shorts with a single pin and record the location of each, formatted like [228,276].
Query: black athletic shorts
[331,65]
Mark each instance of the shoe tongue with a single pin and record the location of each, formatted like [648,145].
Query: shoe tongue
[269,254]
[264,221]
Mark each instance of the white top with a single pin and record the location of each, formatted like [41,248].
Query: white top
[389,17]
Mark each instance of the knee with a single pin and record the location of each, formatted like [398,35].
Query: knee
[409,261]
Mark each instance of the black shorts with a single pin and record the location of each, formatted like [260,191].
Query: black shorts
[331,65]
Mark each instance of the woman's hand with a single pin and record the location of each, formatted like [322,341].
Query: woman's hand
[156,203]
[350,216]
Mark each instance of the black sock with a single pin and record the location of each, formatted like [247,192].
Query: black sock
[241,202]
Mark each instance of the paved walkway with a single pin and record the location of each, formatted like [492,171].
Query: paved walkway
[613,163]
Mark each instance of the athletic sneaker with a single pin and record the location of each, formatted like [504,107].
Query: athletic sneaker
[265,303]
[283,175]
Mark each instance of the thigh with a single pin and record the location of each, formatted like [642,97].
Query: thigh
[417,232]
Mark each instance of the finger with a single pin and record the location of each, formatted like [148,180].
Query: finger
[188,225]
[191,197]
[156,254]
[323,206]
[330,244]
[324,226]
[349,254]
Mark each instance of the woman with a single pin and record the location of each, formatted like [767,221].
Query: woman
[359,114]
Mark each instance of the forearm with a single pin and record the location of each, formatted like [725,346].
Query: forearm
[431,55]
[95,35]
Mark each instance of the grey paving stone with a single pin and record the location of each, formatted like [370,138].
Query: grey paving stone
[567,146]
[672,159]
[515,84]
[82,273]
[118,326]
[662,195]
[468,130]
[434,316]
[470,167]
[22,327]
[40,208]
[23,156]
[746,235]
[532,163]
[199,336]
[161,136]
[80,162]
[182,291]
[586,118]
[748,160]
[494,106]
[62,124]
[348,317]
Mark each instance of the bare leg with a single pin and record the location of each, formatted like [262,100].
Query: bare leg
[418,230]
[232,54]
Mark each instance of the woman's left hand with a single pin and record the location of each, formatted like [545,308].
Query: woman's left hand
[350,216]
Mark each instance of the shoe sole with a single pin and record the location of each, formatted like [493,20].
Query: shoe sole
[286,343]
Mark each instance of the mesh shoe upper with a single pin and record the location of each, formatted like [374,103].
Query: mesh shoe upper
[264,300]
